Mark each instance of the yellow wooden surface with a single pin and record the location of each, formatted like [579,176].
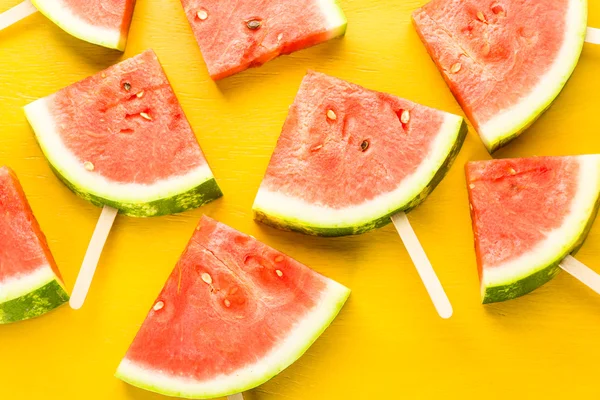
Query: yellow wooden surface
[388,342]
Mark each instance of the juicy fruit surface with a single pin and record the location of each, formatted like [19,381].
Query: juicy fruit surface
[365,151]
[528,197]
[127,122]
[110,14]
[517,204]
[229,46]
[23,247]
[234,297]
[493,53]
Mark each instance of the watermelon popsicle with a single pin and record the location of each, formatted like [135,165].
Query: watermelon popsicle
[235,36]
[104,22]
[30,282]
[529,215]
[349,158]
[120,140]
[246,311]
[504,61]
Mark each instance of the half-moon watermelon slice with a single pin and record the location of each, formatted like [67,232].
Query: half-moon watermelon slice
[528,214]
[30,283]
[234,36]
[120,138]
[233,314]
[348,158]
[102,22]
[505,61]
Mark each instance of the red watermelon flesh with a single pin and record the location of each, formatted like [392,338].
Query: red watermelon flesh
[30,282]
[343,146]
[121,138]
[24,247]
[103,22]
[494,55]
[223,320]
[229,45]
[361,115]
[112,14]
[527,215]
[135,104]
[536,195]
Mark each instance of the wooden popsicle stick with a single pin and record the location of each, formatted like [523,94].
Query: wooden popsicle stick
[581,272]
[593,36]
[237,396]
[92,256]
[417,254]
[17,13]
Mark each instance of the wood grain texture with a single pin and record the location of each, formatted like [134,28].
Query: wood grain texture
[388,342]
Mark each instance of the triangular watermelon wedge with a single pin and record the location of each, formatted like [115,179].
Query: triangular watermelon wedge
[528,214]
[233,314]
[104,22]
[120,138]
[30,283]
[234,36]
[348,158]
[505,61]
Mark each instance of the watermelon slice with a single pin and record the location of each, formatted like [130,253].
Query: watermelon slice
[105,22]
[233,314]
[528,214]
[234,36]
[30,283]
[505,61]
[120,138]
[348,158]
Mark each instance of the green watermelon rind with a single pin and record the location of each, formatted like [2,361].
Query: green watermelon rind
[329,307]
[510,124]
[35,303]
[288,223]
[539,275]
[189,200]
[61,16]
[193,194]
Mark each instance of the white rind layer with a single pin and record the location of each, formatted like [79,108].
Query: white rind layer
[518,117]
[336,20]
[59,12]
[73,170]
[321,216]
[558,241]
[14,288]
[283,355]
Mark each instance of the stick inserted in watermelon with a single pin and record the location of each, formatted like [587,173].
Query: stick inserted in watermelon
[506,61]
[593,36]
[102,22]
[233,314]
[349,158]
[30,283]
[528,215]
[581,272]
[234,36]
[120,140]
[17,13]
[92,257]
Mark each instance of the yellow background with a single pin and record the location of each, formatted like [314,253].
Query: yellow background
[388,342]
